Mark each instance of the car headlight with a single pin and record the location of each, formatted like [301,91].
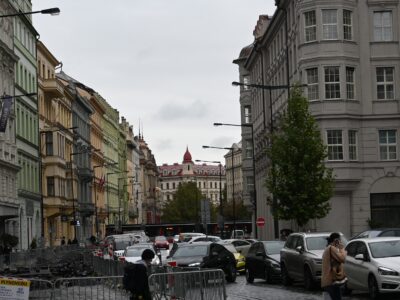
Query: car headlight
[387,271]
[317,261]
[195,265]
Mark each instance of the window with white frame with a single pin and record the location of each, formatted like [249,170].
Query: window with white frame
[246,80]
[352,144]
[388,144]
[329,24]
[335,144]
[310,26]
[347,25]
[385,83]
[332,82]
[312,83]
[383,26]
[350,90]
[249,149]
[247,114]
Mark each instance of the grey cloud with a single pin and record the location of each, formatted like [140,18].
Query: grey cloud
[181,111]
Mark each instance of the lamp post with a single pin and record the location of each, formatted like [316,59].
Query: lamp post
[254,200]
[233,185]
[49,11]
[270,88]
[221,211]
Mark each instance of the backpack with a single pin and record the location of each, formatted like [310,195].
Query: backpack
[135,278]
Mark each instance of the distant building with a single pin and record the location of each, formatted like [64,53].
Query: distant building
[234,177]
[207,178]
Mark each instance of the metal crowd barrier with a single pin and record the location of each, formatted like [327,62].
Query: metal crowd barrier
[40,289]
[192,285]
[107,267]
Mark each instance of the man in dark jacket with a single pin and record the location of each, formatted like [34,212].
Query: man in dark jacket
[136,277]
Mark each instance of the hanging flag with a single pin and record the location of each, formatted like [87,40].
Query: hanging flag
[102,181]
[5,112]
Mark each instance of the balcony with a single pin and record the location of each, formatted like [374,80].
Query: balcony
[86,209]
[85,174]
[52,87]
[133,212]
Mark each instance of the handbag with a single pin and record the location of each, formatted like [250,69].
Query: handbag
[337,271]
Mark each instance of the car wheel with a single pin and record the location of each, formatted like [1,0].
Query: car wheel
[346,290]
[286,280]
[373,287]
[249,276]
[231,276]
[309,283]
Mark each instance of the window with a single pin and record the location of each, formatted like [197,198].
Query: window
[329,24]
[383,26]
[352,145]
[249,149]
[310,25]
[347,25]
[312,84]
[246,80]
[332,83]
[247,114]
[385,83]
[49,143]
[387,144]
[167,185]
[335,145]
[50,186]
[350,83]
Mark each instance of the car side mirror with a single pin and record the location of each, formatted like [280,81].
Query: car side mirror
[300,249]
[261,254]
[360,256]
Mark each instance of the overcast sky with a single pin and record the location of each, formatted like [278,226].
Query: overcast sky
[167,63]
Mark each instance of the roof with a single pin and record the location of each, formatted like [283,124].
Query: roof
[187,157]
[378,239]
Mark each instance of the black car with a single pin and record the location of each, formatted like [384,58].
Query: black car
[391,232]
[263,261]
[205,255]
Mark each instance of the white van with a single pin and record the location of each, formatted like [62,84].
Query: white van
[237,234]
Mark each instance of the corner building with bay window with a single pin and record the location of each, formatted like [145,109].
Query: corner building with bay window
[348,53]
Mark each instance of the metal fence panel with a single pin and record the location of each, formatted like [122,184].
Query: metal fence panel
[40,289]
[192,285]
[87,288]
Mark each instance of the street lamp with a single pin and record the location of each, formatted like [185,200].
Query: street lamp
[221,211]
[254,200]
[49,11]
[270,88]
[233,185]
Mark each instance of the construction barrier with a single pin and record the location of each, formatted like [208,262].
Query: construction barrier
[190,285]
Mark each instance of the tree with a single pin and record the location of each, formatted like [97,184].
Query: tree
[298,177]
[185,205]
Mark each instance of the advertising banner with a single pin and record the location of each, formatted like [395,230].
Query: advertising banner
[14,288]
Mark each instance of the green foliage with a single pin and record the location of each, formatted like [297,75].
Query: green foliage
[298,177]
[185,205]
[8,240]
[241,211]
[33,244]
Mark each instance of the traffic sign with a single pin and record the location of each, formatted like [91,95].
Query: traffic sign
[260,222]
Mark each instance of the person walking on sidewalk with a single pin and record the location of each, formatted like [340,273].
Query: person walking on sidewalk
[333,275]
[136,277]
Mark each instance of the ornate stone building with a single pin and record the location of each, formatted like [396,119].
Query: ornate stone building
[347,52]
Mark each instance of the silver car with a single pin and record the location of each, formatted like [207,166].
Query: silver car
[373,265]
[301,258]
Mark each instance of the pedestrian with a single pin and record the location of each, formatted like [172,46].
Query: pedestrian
[75,241]
[333,276]
[136,277]
[63,241]
[69,242]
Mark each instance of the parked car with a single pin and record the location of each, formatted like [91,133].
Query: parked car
[373,265]
[188,235]
[237,234]
[263,261]
[377,232]
[252,241]
[205,255]
[241,246]
[118,244]
[301,258]
[205,238]
[133,253]
[160,242]
[240,259]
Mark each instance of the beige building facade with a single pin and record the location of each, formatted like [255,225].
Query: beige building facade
[348,54]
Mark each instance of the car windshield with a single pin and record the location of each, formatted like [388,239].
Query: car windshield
[161,238]
[274,247]
[121,244]
[316,243]
[134,252]
[230,248]
[191,251]
[385,249]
